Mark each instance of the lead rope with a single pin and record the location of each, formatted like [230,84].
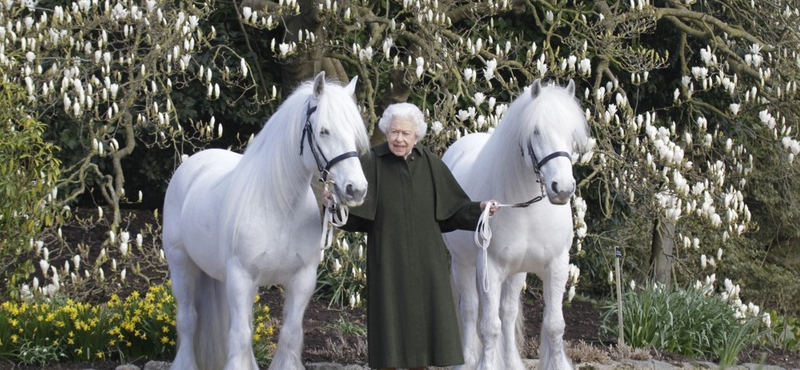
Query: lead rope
[483,232]
[483,237]
[335,216]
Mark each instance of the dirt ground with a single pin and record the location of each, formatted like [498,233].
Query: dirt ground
[330,332]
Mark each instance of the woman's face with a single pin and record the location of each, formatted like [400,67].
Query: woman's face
[402,136]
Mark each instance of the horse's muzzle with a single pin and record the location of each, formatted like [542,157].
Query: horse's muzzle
[559,193]
[352,195]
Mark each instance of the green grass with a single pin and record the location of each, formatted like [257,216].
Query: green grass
[347,327]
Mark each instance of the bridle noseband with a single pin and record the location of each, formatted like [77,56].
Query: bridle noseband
[323,164]
[537,166]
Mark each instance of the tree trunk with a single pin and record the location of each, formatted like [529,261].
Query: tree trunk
[304,66]
[661,252]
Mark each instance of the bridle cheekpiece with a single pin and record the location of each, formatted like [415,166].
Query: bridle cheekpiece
[323,164]
[537,166]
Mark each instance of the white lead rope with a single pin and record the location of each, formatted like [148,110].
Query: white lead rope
[483,233]
[337,218]
[483,237]
[331,220]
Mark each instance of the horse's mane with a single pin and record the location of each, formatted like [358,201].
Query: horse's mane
[554,113]
[271,168]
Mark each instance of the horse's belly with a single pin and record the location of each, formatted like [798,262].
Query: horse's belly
[276,254]
[528,244]
[271,253]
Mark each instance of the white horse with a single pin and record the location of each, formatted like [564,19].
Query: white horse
[235,222]
[528,155]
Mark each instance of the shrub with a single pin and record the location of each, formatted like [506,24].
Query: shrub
[688,322]
[28,172]
[784,333]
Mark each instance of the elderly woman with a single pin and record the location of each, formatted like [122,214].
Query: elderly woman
[412,198]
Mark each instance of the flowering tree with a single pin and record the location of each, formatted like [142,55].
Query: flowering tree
[691,102]
[28,171]
[104,74]
[687,100]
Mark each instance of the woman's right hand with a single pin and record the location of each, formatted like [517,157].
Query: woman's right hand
[493,206]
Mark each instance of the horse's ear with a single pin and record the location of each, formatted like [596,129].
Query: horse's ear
[351,87]
[536,88]
[319,84]
[571,87]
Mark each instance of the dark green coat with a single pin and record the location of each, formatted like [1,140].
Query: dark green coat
[411,316]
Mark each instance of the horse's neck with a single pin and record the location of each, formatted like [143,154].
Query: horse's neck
[507,175]
[276,187]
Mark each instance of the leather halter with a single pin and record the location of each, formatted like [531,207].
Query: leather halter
[537,166]
[323,164]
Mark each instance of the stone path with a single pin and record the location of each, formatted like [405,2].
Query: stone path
[531,365]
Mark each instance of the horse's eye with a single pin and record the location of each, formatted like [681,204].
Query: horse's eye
[536,132]
[324,131]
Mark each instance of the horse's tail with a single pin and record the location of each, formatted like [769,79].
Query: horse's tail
[213,323]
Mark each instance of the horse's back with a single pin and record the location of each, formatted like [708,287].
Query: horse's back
[203,166]
[460,156]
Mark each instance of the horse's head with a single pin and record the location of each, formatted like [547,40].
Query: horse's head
[557,126]
[335,134]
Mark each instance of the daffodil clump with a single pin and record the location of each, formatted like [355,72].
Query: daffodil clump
[263,333]
[130,328]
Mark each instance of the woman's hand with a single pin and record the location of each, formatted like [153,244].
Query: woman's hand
[493,206]
[326,196]
[328,200]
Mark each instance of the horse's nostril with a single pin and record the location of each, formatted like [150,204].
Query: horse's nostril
[554,186]
[359,194]
[349,190]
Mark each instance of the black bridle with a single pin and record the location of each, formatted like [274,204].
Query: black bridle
[323,164]
[537,166]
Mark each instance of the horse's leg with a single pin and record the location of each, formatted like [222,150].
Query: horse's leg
[509,313]
[489,283]
[241,291]
[288,354]
[464,278]
[184,275]
[552,352]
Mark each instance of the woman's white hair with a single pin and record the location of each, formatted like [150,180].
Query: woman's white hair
[406,111]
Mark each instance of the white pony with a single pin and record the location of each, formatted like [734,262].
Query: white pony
[235,222]
[528,155]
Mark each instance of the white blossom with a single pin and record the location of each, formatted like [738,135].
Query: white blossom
[585,67]
[420,66]
[488,72]
[479,97]
[469,74]
[437,127]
